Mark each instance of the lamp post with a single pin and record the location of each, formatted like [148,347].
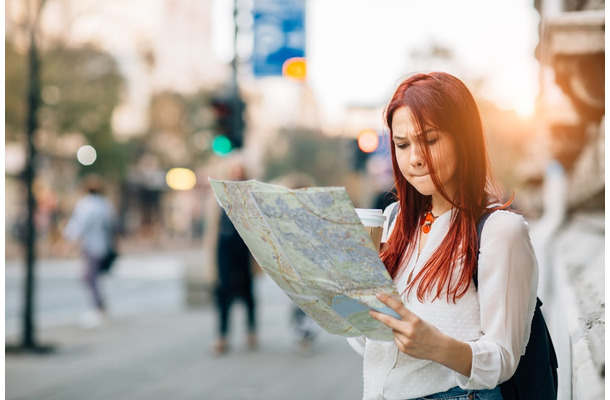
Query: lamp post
[237,105]
[28,338]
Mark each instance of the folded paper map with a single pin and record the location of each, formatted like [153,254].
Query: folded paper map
[314,247]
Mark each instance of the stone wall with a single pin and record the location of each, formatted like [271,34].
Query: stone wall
[569,237]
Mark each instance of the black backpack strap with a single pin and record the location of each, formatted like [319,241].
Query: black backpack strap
[480,225]
[536,375]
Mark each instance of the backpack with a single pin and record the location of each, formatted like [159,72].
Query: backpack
[108,261]
[536,374]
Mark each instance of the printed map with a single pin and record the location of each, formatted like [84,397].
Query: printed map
[312,244]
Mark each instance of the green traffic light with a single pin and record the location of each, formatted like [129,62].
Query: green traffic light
[222,145]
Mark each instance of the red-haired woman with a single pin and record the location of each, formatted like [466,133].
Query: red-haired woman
[453,340]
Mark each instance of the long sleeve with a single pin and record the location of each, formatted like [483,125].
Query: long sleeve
[76,224]
[507,285]
[94,224]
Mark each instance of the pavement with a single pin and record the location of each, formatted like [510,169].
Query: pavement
[164,353]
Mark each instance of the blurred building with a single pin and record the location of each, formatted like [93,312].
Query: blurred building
[569,237]
[163,46]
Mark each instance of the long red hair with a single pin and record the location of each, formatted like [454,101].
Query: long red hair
[443,102]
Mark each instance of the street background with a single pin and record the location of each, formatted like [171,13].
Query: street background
[158,96]
[154,347]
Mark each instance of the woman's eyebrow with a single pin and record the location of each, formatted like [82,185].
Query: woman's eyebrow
[395,137]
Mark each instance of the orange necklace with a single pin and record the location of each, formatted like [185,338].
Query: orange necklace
[427,221]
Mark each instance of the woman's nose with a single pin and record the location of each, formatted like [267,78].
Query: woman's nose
[416,158]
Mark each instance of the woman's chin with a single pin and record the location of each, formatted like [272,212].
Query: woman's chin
[425,190]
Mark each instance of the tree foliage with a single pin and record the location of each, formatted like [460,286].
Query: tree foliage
[80,87]
[309,152]
[15,101]
[180,129]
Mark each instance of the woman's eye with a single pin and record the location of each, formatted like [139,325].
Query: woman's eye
[432,141]
[401,145]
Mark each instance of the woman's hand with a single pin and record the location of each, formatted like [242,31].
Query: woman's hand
[412,335]
[419,339]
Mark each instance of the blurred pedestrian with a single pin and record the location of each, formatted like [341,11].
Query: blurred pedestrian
[93,225]
[465,310]
[235,276]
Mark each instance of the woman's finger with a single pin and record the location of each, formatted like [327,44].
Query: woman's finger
[388,320]
[395,305]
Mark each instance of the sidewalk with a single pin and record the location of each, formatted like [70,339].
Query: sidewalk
[165,355]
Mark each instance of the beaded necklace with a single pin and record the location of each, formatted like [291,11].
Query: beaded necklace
[427,221]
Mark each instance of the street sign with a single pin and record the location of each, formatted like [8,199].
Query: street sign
[279,34]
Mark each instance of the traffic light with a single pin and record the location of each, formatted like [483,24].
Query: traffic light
[229,118]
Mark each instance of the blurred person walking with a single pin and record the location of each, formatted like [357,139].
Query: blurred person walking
[234,278]
[93,225]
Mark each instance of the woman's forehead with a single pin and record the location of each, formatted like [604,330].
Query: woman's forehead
[405,125]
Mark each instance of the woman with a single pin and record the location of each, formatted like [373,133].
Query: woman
[453,340]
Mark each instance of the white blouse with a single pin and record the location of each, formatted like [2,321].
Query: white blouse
[494,320]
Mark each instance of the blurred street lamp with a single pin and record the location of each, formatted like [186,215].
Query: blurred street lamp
[295,68]
[180,179]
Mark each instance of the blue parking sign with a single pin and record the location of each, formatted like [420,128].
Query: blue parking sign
[279,34]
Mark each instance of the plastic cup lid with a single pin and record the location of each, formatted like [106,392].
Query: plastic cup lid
[371,216]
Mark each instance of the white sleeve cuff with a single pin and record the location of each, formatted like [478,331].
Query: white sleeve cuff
[485,369]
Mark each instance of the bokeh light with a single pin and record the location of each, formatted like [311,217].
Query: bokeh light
[221,145]
[180,179]
[86,155]
[368,140]
[295,68]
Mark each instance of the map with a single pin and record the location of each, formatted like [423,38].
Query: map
[314,247]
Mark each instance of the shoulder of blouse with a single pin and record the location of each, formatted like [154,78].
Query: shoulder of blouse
[389,208]
[506,224]
[388,225]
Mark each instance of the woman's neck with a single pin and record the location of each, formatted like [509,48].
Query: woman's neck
[440,205]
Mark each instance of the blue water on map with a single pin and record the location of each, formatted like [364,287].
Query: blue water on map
[346,306]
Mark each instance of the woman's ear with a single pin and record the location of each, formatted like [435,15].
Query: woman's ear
[384,247]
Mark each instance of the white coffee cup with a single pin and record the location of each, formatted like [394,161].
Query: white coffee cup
[373,220]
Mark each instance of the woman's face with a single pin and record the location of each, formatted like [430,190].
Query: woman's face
[410,156]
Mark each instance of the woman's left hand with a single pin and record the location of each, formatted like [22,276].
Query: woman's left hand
[412,335]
